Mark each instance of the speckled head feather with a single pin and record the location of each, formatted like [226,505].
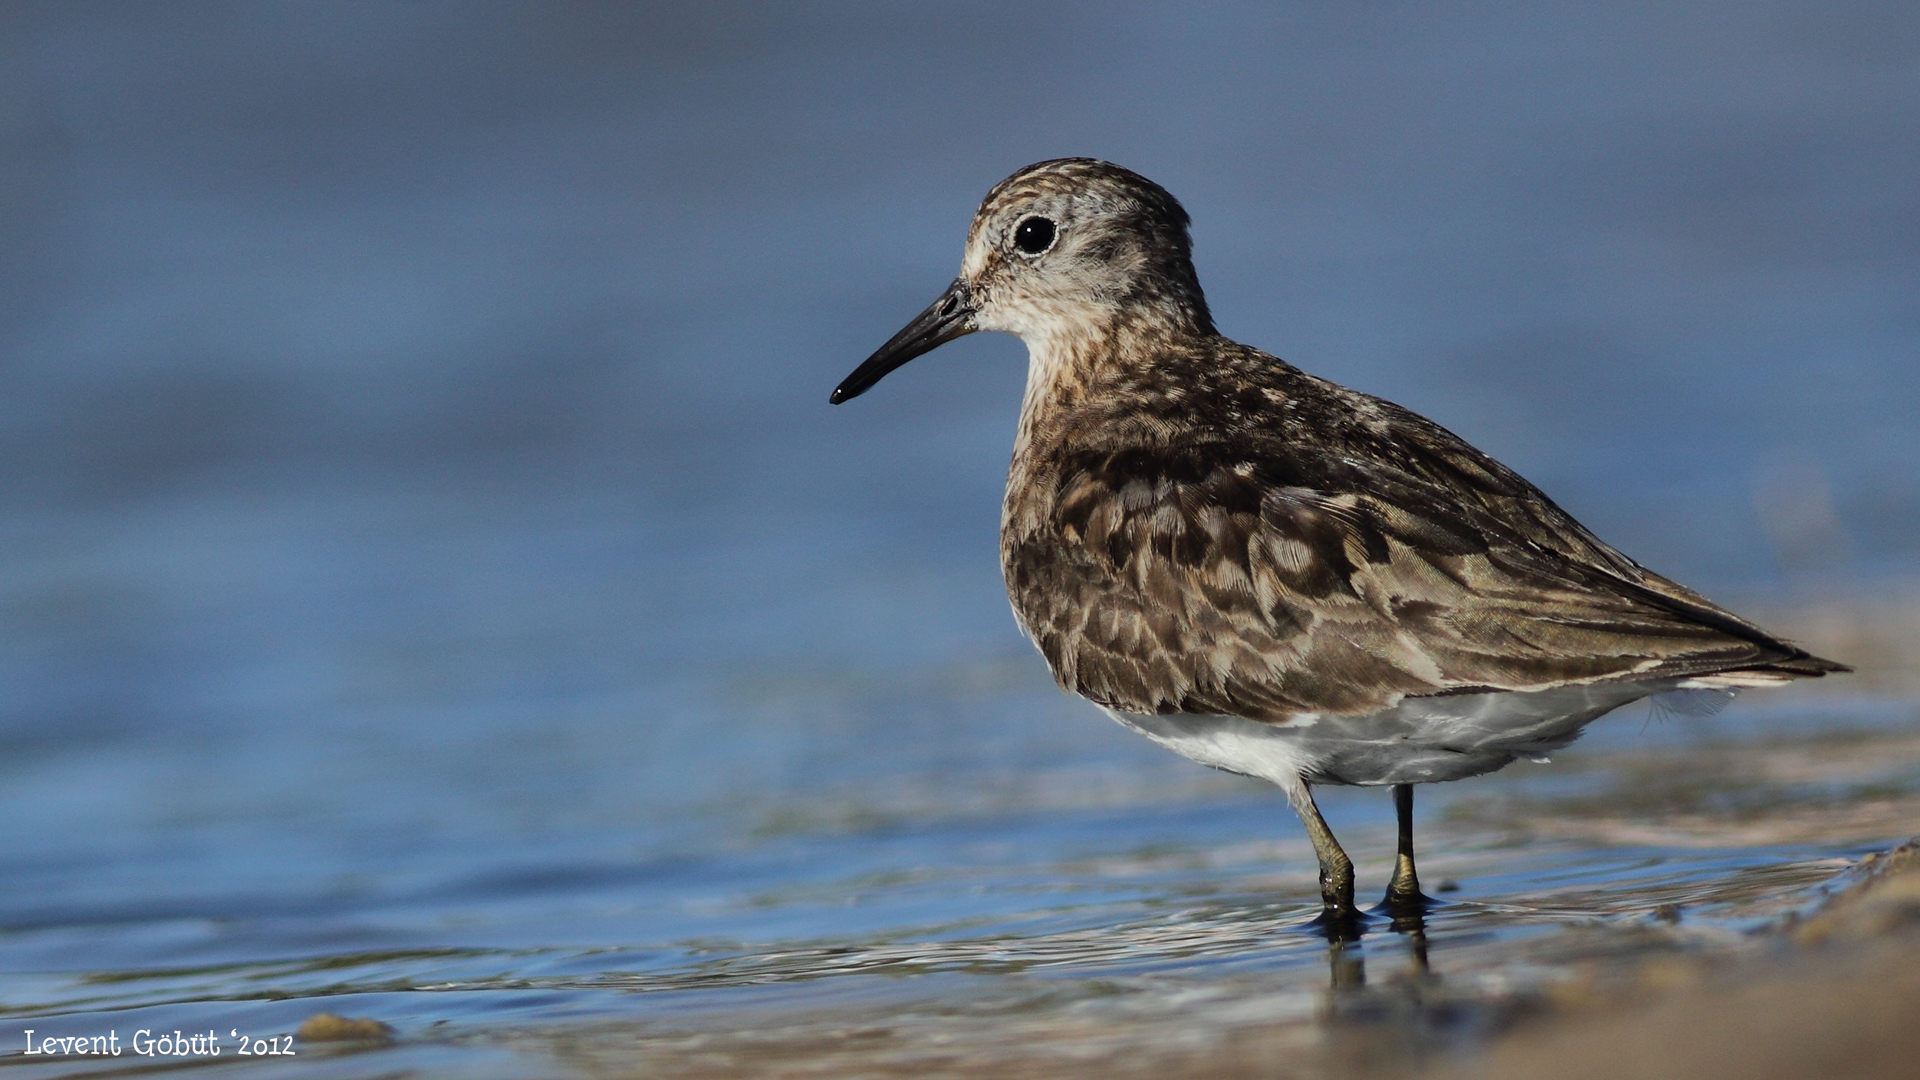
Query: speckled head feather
[1120,251]
[1071,255]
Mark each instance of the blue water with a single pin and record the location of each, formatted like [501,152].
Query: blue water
[428,562]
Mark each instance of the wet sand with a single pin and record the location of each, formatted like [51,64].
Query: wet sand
[1833,994]
[1840,997]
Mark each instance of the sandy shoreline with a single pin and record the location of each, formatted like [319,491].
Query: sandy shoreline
[1834,994]
[1839,998]
[1830,994]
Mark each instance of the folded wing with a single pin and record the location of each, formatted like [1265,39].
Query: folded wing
[1252,580]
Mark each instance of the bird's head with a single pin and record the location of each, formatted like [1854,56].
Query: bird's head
[1062,251]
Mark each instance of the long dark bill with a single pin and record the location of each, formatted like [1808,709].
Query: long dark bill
[947,318]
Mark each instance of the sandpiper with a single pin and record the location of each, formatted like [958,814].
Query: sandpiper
[1270,573]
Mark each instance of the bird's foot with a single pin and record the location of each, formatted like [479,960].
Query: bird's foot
[1406,912]
[1340,922]
[1404,903]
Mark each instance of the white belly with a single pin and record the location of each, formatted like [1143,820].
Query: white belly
[1421,740]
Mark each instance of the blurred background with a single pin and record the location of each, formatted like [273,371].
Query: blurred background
[421,521]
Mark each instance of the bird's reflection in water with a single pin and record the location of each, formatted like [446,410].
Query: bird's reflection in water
[1408,918]
[1405,1017]
[1346,962]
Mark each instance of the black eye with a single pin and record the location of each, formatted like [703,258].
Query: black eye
[1033,235]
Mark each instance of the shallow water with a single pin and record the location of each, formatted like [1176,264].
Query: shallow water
[433,587]
[974,873]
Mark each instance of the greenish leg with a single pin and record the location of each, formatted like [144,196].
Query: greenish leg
[1336,870]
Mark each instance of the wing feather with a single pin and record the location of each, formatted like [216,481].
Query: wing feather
[1249,580]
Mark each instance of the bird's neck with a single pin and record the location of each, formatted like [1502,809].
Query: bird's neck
[1078,357]
[1077,375]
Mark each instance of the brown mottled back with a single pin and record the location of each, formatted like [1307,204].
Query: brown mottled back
[1218,532]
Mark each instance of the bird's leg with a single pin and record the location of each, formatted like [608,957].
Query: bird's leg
[1336,870]
[1403,899]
